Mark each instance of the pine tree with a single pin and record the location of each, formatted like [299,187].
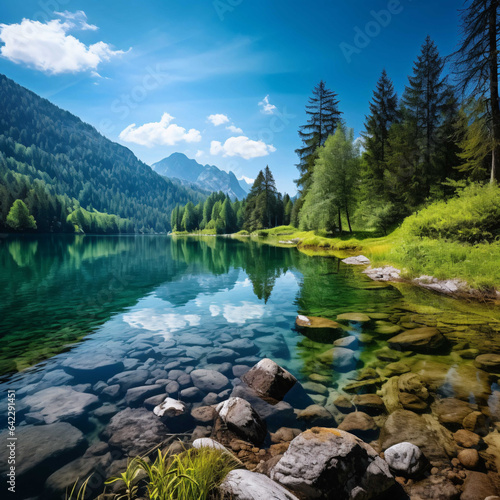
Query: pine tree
[383,113]
[19,217]
[269,199]
[324,120]
[426,99]
[476,64]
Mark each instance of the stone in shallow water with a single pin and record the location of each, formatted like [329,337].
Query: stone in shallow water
[269,379]
[137,395]
[221,355]
[360,424]
[60,404]
[425,340]
[350,342]
[319,329]
[451,411]
[315,387]
[38,447]
[341,359]
[434,488]
[128,379]
[135,431]
[242,419]
[354,317]
[316,415]
[406,459]
[93,366]
[243,484]
[319,464]
[209,380]
[244,347]
[488,362]
[369,403]
[469,458]
[397,368]
[364,386]
[466,438]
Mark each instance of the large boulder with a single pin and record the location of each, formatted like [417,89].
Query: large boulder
[426,340]
[329,463]
[319,329]
[242,484]
[209,380]
[406,459]
[242,419]
[135,431]
[268,379]
[60,404]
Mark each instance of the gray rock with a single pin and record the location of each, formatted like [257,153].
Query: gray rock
[268,379]
[242,419]
[128,379]
[93,366]
[38,446]
[60,404]
[243,484]
[135,431]
[209,380]
[358,260]
[221,355]
[329,463]
[191,394]
[137,395]
[340,358]
[406,459]
[316,415]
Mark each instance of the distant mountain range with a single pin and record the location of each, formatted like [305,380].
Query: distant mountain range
[54,162]
[206,177]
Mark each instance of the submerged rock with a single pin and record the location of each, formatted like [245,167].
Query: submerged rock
[135,431]
[268,379]
[341,359]
[209,380]
[330,463]
[319,329]
[40,447]
[242,484]
[360,424]
[354,317]
[488,362]
[426,340]
[60,404]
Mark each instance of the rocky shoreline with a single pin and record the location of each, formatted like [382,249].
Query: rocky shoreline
[402,424]
[453,287]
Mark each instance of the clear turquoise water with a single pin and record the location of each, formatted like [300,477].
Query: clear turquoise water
[85,295]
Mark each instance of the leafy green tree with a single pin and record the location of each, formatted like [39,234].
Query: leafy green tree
[228,217]
[189,218]
[19,217]
[336,172]
[324,118]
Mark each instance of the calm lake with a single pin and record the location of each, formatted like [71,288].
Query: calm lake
[85,319]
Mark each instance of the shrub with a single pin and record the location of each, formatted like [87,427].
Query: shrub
[471,217]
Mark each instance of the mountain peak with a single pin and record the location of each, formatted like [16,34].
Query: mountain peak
[208,177]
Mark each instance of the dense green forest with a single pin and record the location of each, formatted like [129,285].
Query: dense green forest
[264,207]
[56,164]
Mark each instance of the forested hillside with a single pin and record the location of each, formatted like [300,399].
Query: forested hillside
[55,164]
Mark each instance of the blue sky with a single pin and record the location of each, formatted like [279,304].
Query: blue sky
[225,81]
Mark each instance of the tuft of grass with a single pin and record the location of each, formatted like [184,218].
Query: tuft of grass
[193,474]
[81,493]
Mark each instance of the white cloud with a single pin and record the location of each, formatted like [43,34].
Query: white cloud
[162,133]
[234,129]
[240,314]
[218,119]
[199,153]
[47,46]
[266,107]
[77,20]
[247,180]
[241,146]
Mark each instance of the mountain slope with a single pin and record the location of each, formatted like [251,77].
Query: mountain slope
[207,177]
[53,161]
